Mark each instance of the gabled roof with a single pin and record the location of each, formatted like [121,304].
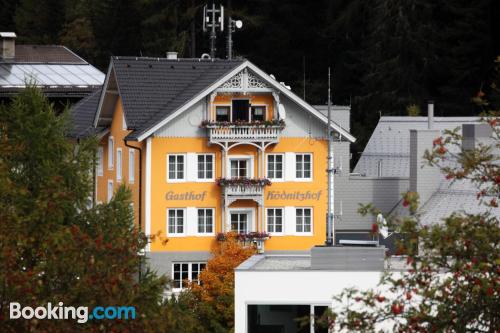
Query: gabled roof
[45,54]
[82,116]
[53,68]
[155,90]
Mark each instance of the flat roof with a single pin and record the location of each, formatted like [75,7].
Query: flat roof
[295,262]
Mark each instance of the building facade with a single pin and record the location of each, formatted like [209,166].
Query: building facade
[208,147]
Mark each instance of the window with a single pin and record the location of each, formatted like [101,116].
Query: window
[175,167]
[275,166]
[258,112]
[131,166]
[110,190]
[239,168]
[303,220]
[239,222]
[118,164]
[240,110]
[100,160]
[111,152]
[206,166]
[303,166]
[186,271]
[222,113]
[275,220]
[124,123]
[205,220]
[175,221]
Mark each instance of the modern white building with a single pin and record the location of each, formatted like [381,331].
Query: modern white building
[273,291]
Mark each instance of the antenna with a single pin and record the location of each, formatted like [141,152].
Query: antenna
[232,25]
[330,235]
[213,19]
[304,73]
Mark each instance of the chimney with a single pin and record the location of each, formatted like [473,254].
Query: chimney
[172,55]
[8,45]
[430,115]
[473,134]
[424,179]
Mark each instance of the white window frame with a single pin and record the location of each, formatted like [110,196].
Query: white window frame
[312,168]
[131,166]
[304,233]
[283,168]
[100,161]
[190,265]
[176,180]
[110,193]
[124,123]
[184,223]
[119,165]
[258,105]
[250,164]
[251,219]
[111,152]
[276,233]
[224,105]
[213,168]
[198,222]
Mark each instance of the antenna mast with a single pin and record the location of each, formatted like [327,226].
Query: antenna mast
[330,237]
[213,18]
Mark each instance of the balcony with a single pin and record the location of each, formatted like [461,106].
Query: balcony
[226,132]
[243,188]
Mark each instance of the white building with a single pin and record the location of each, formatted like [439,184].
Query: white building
[272,291]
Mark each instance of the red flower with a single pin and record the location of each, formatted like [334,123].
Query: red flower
[380,298]
[449,176]
[405,203]
[442,150]
[374,228]
[408,295]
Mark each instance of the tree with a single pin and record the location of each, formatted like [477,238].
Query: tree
[54,247]
[212,301]
[453,279]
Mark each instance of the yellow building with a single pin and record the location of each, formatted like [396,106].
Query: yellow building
[210,146]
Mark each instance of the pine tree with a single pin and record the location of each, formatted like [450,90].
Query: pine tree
[54,247]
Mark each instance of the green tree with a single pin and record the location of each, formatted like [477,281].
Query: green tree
[54,247]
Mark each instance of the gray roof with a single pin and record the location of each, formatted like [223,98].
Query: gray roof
[54,68]
[390,142]
[82,116]
[274,262]
[153,88]
[341,114]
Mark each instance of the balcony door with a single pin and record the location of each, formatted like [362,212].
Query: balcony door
[240,221]
[241,110]
[240,168]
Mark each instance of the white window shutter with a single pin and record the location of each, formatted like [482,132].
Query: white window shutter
[289,167]
[289,221]
[191,221]
[191,167]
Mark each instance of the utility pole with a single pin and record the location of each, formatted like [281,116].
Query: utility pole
[232,25]
[330,237]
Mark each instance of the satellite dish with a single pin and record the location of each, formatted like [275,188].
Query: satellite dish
[281,111]
[238,24]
